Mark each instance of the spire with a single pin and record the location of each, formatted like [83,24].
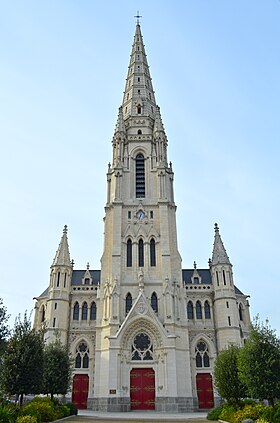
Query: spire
[62,256]
[158,126]
[139,96]
[219,255]
[120,128]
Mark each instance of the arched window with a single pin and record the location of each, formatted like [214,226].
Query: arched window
[139,110]
[93,311]
[129,253]
[202,355]
[58,279]
[140,176]
[154,302]
[128,303]
[82,356]
[142,347]
[240,312]
[152,252]
[207,310]
[141,253]
[198,310]
[139,132]
[190,310]
[84,311]
[76,311]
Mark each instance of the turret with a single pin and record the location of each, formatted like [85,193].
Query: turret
[226,312]
[58,306]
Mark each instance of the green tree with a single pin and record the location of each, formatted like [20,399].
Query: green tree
[226,376]
[57,369]
[22,371]
[4,328]
[259,363]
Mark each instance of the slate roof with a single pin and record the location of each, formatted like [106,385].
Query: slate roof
[205,274]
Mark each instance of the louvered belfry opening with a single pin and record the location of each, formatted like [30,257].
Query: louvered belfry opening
[140,176]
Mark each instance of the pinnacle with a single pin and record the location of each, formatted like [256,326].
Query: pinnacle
[62,256]
[219,255]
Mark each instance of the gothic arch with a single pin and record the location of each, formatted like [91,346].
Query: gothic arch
[209,342]
[141,325]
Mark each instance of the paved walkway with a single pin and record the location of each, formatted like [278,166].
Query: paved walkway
[87,416]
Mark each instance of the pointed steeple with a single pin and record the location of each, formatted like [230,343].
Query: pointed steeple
[120,128]
[62,256]
[219,255]
[158,126]
[139,96]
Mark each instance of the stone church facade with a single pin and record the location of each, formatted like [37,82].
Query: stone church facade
[144,333]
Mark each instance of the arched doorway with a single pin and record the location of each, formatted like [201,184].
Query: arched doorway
[80,390]
[204,387]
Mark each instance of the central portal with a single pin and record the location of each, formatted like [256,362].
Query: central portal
[142,389]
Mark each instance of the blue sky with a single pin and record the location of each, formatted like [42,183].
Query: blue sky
[215,67]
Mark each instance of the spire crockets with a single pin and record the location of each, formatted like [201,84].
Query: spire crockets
[139,96]
[62,256]
[219,255]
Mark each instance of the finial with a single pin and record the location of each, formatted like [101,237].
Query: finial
[216,227]
[65,229]
[87,265]
[138,17]
[109,166]
[210,262]
[72,263]
[170,165]
[194,264]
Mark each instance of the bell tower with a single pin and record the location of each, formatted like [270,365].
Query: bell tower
[141,264]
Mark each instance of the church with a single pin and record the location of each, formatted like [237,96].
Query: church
[143,332]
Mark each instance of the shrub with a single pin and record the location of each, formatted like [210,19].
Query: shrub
[26,419]
[7,414]
[73,408]
[227,413]
[252,412]
[44,407]
[214,414]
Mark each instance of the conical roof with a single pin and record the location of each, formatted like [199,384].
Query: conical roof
[219,255]
[138,89]
[62,256]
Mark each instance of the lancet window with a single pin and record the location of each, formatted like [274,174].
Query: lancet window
[129,253]
[76,311]
[141,253]
[84,311]
[207,310]
[82,356]
[93,311]
[152,252]
[198,310]
[128,303]
[190,310]
[154,302]
[202,355]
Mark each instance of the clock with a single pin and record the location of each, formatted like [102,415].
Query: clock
[140,215]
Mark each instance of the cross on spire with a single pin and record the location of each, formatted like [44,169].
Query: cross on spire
[138,17]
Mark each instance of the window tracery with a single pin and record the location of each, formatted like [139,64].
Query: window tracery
[142,348]
[202,355]
[82,356]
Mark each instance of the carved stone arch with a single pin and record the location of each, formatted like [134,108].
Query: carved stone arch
[208,342]
[143,325]
[138,150]
[78,340]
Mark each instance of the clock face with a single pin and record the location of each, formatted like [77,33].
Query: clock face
[140,215]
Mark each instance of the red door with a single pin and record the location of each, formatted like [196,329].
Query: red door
[204,389]
[80,390]
[142,389]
